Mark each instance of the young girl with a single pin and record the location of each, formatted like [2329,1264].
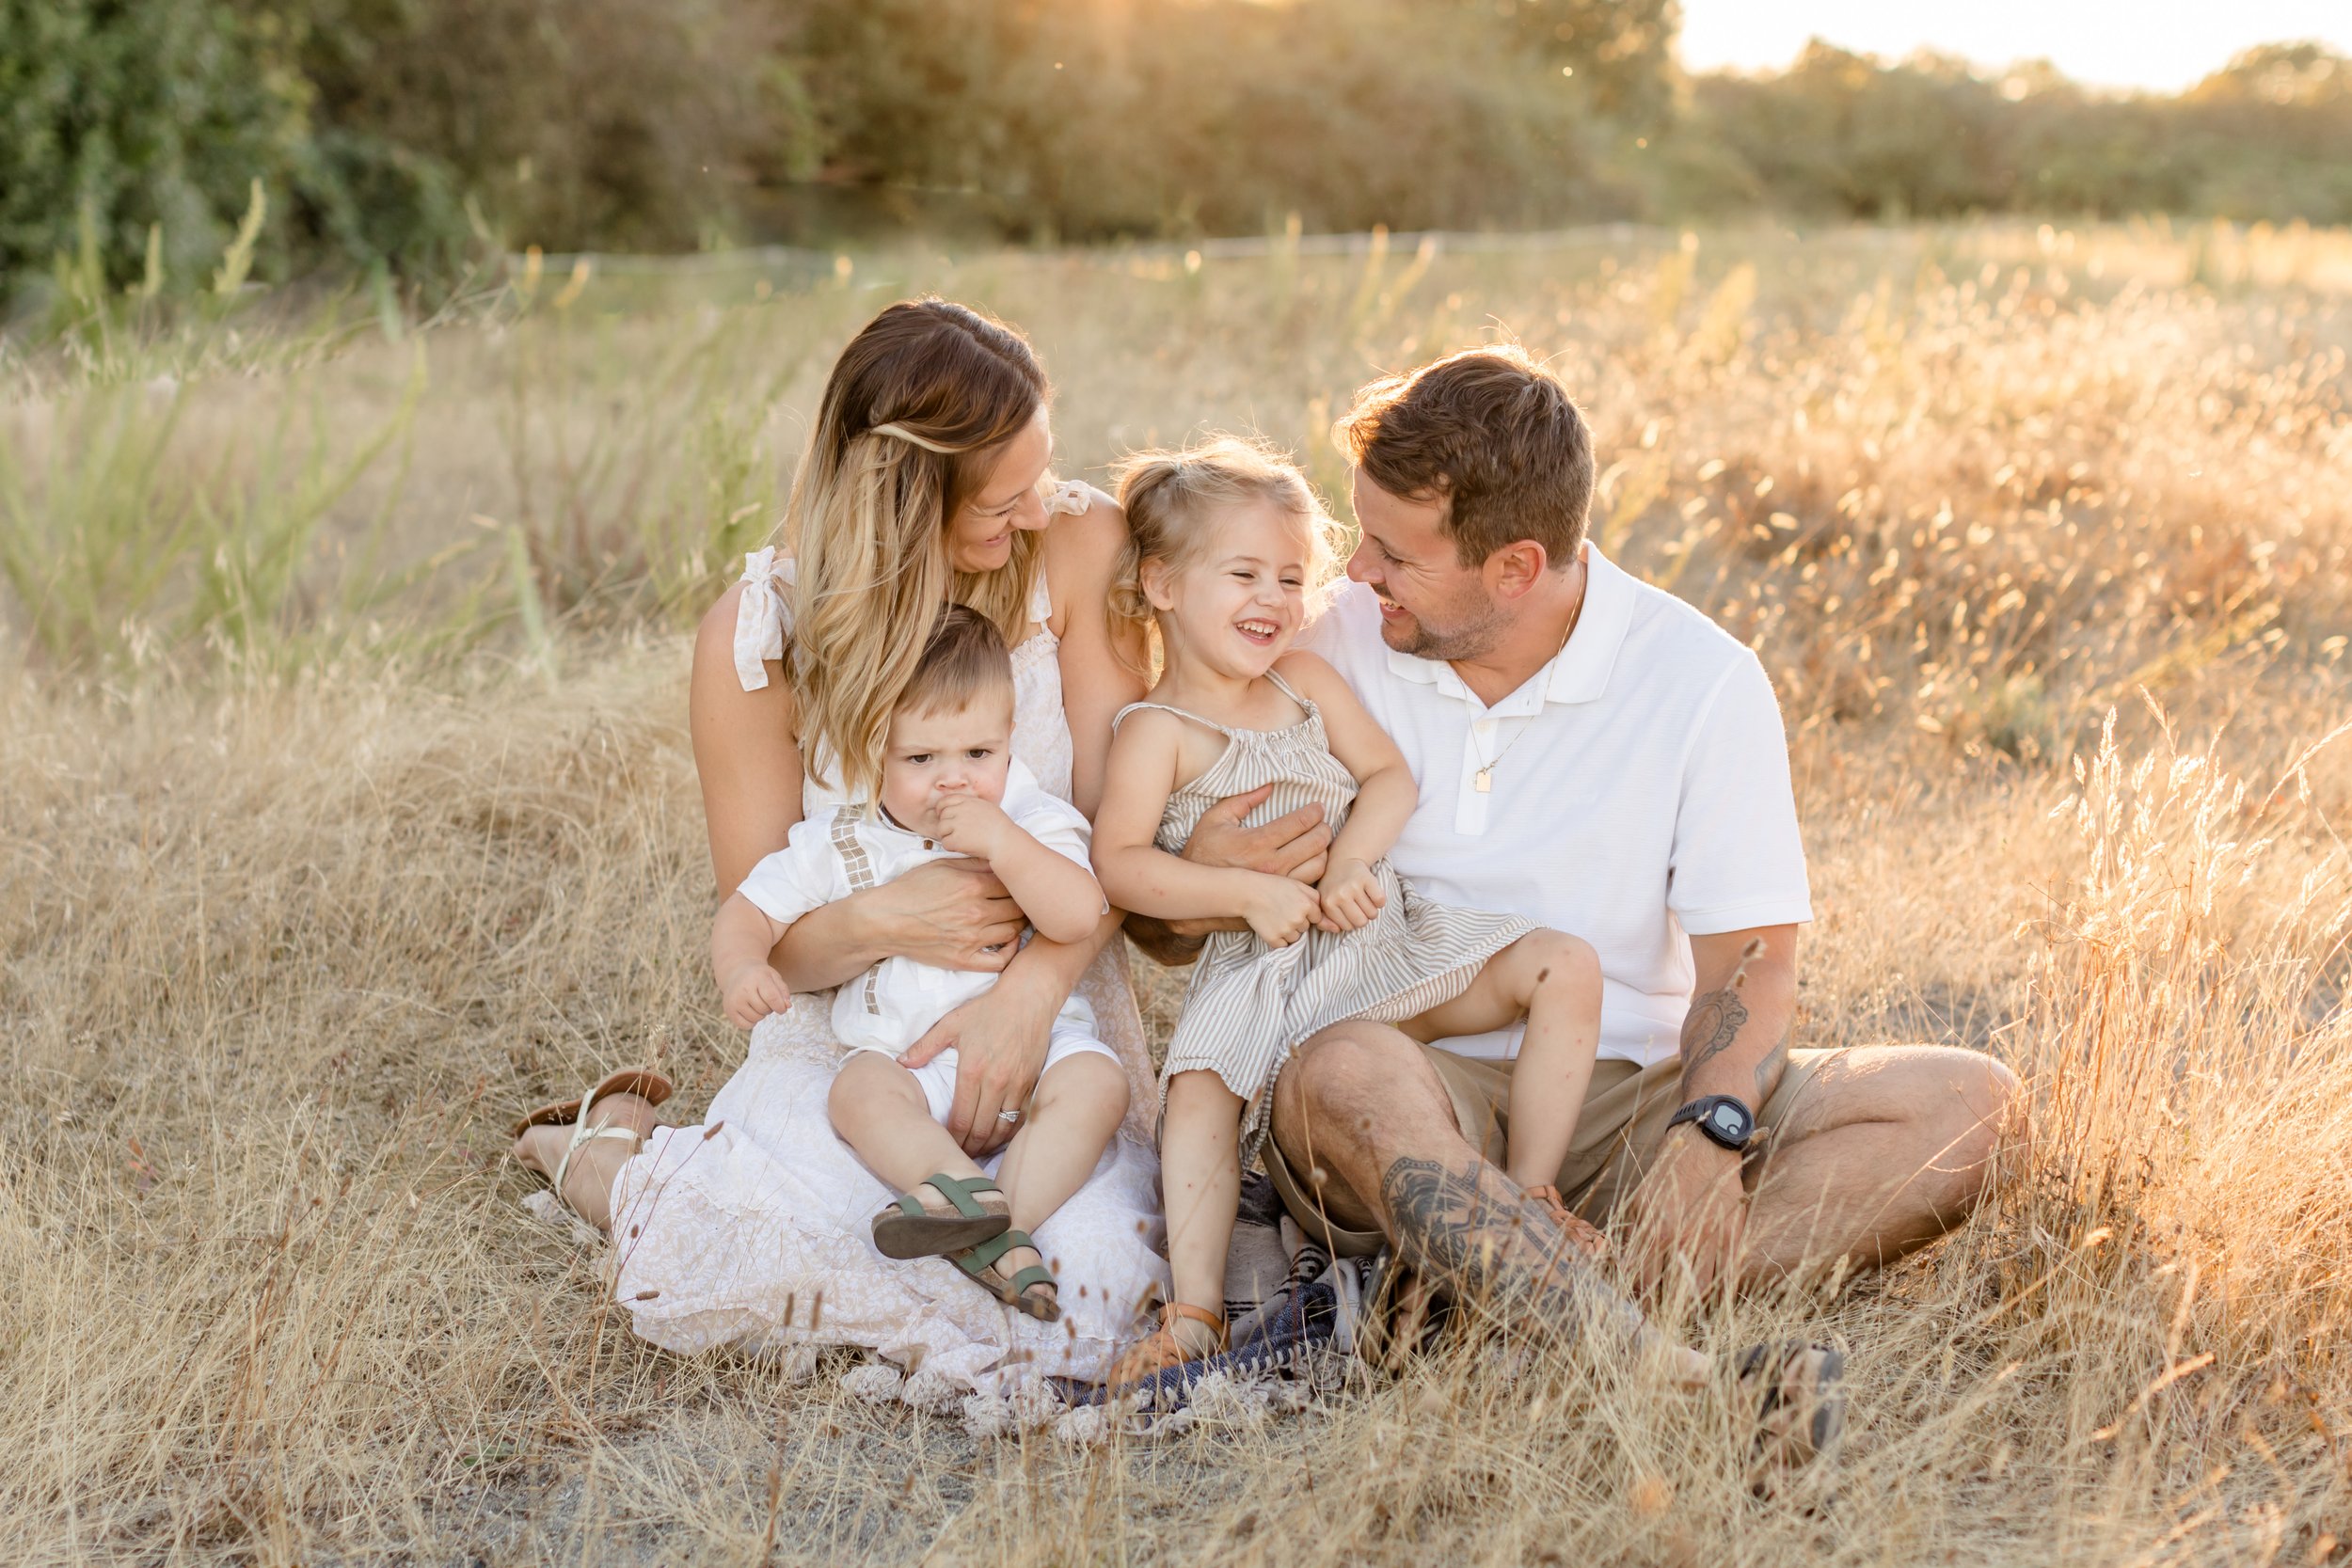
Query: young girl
[1228,541]
[950,786]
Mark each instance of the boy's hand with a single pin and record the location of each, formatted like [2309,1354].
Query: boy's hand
[971,826]
[1351,895]
[1279,909]
[752,992]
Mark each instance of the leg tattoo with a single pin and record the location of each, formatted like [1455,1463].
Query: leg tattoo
[1488,1245]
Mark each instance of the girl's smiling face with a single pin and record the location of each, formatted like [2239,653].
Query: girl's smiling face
[1240,599]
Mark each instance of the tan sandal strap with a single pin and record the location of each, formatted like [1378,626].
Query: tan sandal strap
[1171,1311]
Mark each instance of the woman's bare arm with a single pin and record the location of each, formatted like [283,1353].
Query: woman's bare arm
[748,763]
[1102,668]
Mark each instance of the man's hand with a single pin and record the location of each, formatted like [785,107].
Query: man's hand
[1687,1213]
[999,1039]
[1292,844]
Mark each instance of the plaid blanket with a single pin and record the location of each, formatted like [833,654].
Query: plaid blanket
[1298,1326]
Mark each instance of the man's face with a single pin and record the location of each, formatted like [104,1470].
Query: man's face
[1431,605]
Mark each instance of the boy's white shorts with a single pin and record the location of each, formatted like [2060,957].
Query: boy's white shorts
[1071,1037]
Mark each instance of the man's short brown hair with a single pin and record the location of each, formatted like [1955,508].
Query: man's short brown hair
[1494,435]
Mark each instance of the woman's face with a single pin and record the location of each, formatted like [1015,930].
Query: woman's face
[1009,498]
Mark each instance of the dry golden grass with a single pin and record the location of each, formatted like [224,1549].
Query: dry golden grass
[295,910]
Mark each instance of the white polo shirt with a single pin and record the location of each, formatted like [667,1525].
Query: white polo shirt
[1640,793]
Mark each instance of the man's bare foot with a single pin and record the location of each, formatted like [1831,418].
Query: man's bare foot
[588,1183]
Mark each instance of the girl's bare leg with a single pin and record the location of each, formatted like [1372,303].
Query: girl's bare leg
[1200,1184]
[1553,981]
[588,1182]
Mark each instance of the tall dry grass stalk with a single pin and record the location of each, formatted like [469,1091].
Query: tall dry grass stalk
[287,939]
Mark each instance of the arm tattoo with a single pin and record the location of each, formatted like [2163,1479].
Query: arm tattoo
[1715,1021]
[1479,1237]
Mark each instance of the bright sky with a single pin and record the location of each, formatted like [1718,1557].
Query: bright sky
[2160,44]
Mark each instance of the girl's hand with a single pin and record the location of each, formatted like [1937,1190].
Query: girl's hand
[752,992]
[1351,895]
[1279,909]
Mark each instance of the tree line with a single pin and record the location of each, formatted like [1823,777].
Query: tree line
[411,138]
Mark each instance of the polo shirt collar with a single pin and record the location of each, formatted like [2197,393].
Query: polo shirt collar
[1580,672]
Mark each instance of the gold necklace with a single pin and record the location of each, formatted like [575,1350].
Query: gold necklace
[1484,780]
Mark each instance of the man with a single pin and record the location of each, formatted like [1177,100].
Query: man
[1598,757]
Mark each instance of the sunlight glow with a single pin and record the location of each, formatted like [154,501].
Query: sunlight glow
[2163,45]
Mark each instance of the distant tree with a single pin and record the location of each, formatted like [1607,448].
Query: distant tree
[136,116]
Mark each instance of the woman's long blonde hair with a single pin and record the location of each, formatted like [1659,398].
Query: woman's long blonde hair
[918,402]
[1169,498]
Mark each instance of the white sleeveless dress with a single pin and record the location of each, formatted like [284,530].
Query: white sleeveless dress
[750,1230]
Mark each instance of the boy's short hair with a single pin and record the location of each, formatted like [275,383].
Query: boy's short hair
[964,659]
[1491,433]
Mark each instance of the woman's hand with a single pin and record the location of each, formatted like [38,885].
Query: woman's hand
[1351,895]
[999,1039]
[951,915]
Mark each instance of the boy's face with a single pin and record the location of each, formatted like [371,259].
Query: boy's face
[931,756]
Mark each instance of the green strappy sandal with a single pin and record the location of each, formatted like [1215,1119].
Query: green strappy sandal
[906,1229]
[981,1263]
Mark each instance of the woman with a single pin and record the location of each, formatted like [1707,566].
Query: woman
[751,1228]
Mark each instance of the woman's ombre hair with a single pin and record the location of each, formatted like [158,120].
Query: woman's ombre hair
[918,404]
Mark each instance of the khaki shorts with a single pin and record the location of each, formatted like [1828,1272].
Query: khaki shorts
[1619,1132]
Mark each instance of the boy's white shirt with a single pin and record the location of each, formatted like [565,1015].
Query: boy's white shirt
[890,1007]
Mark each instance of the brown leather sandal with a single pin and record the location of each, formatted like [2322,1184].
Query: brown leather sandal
[1582,1233]
[1164,1348]
[647,1083]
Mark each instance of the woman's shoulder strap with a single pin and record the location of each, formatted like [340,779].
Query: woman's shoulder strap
[763,616]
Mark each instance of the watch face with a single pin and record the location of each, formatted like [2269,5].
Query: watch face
[1728,1121]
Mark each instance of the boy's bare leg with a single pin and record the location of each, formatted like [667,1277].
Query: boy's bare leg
[1071,1120]
[588,1181]
[1200,1184]
[880,1111]
[1553,981]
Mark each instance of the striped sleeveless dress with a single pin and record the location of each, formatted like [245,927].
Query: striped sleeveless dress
[1249,1005]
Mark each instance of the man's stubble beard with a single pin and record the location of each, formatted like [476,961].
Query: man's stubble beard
[1473,637]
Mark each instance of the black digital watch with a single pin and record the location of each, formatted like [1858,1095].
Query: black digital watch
[1725,1119]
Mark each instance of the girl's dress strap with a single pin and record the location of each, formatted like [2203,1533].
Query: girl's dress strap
[1118,717]
[1305,701]
[762,616]
[1040,599]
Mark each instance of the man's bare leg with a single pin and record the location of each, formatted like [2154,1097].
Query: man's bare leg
[1363,1122]
[1889,1148]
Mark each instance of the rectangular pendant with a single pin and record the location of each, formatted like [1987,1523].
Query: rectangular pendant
[1484,780]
